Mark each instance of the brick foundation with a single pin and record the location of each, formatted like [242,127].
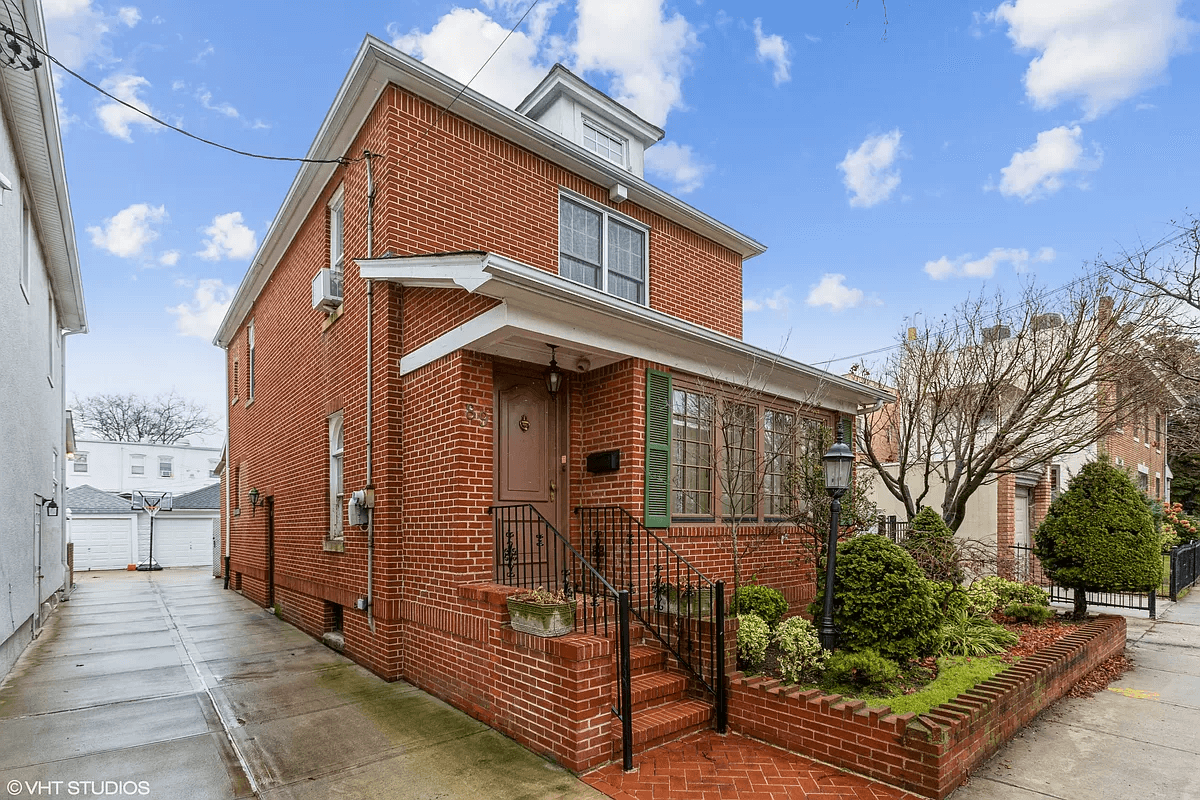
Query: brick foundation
[931,753]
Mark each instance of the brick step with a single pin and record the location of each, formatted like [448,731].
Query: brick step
[655,689]
[666,723]
[644,658]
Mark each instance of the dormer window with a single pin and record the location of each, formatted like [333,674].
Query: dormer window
[602,143]
[602,249]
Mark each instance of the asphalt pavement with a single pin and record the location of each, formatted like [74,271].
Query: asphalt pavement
[164,685]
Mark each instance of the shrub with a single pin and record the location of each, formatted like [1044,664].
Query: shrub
[965,634]
[800,649]
[882,600]
[1005,593]
[861,670]
[931,544]
[1099,536]
[1028,612]
[753,636]
[764,601]
[982,598]
[949,597]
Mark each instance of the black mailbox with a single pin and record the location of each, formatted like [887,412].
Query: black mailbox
[605,461]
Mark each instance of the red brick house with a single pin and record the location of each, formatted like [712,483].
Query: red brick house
[473,249]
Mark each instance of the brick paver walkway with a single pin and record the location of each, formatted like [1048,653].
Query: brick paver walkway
[705,766]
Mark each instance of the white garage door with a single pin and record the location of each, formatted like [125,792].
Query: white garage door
[102,543]
[183,542]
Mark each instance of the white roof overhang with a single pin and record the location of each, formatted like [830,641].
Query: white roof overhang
[538,308]
[375,66]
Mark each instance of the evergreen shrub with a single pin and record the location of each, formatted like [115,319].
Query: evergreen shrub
[801,654]
[765,601]
[931,543]
[753,637]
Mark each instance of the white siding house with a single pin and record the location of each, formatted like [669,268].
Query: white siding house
[129,466]
[41,301]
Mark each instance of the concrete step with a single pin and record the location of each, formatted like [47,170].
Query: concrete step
[656,688]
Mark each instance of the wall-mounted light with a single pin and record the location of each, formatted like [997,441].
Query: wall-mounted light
[51,508]
[554,376]
[254,500]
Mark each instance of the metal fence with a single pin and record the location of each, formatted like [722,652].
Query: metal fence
[1023,565]
[1183,568]
[893,528]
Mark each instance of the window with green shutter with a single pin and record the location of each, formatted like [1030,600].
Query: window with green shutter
[658,449]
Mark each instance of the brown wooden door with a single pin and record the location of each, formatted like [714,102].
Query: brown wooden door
[530,426]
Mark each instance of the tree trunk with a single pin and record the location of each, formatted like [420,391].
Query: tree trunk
[1080,604]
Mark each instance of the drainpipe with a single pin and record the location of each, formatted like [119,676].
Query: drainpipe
[370,487]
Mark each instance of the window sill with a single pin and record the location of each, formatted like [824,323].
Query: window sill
[249,402]
[334,546]
[234,401]
[237,512]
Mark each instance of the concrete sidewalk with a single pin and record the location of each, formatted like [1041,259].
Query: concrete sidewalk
[165,686]
[1140,739]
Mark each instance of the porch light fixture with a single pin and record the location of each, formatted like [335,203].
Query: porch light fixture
[837,463]
[254,500]
[554,376]
[51,509]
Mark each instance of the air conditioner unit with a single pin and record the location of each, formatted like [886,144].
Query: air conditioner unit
[327,290]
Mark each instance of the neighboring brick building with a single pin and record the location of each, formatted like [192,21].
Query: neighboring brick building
[495,241]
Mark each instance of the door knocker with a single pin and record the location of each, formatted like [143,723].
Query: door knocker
[524,423]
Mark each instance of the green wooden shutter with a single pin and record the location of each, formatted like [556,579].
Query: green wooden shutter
[658,449]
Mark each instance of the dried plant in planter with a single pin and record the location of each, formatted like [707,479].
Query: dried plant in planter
[542,612]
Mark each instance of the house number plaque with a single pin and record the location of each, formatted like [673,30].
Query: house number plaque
[524,423]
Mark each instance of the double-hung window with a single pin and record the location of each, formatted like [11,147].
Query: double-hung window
[692,451]
[602,249]
[164,467]
[779,446]
[739,467]
[80,464]
[250,363]
[336,490]
[337,240]
[137,464]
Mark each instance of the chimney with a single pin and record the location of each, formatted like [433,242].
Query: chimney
[1106,310]
[996,333]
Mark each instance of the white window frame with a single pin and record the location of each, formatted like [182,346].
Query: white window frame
[166,461]
[80,460]
[606,214]
[337,238]
[337,475]
[137,464]
[601,131]
[250,363]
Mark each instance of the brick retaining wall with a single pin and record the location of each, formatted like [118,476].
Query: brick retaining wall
[931,753]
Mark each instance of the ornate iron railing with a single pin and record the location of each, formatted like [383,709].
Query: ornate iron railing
[530,553]
[675,602]
[1184,566]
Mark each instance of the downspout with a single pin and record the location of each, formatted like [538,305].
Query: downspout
[225,478]
[370,487]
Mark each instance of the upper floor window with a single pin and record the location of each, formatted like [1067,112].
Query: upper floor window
[336,488]
[250,363]
[603,249]
[234,385]
[337,239]
[137,464]
[604,144]
[80,465]
[164,467]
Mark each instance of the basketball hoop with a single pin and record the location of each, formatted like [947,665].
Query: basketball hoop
[151,503]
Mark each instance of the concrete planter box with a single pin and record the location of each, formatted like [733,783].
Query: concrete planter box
[537,619]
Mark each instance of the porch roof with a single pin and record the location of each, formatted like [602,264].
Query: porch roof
[593,329]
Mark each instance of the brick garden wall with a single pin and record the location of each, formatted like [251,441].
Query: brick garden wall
[930,754]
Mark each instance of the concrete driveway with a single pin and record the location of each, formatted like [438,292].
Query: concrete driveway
[163,685]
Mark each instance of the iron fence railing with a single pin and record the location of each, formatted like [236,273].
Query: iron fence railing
[1184,566]
[1023,565]
[893,528]
[676,603]
[530,553]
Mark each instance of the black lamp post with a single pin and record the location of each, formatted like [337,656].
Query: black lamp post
[837,462]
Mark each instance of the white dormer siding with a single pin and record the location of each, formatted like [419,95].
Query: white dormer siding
[581,114]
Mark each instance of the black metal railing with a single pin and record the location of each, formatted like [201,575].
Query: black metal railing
[1023,565]
[1184,566]
[892,528]
[530,553]
[676,603]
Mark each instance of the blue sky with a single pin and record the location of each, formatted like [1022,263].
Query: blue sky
[890,171]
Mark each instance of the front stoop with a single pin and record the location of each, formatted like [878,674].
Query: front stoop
[661,710]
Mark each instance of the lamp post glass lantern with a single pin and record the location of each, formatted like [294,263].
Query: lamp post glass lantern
[838,463]
[554,376]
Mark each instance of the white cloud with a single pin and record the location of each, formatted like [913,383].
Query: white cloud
[777,301]
[645,51]
[867,171]
[1039,171]
[202,316]
[169,259]
[1100,52]
[129,15]
[460,41]
[774,49]
[127,232]
[205,98]
[677,164]
[538,20]
[203,54]
[75,31]
[116,118]
[831,291]
[967,267]
[228,237]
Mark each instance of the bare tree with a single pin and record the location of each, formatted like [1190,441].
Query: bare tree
[164,419]
[1007,387]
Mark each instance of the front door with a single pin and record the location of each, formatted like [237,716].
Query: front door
[1021,514]
[530,471]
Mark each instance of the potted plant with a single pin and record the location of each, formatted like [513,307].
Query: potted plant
[542,612]
[689,600]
